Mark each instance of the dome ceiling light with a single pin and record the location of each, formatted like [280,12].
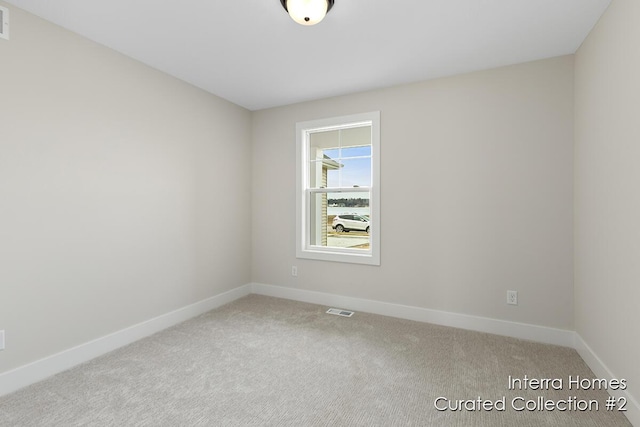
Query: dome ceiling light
[307,12]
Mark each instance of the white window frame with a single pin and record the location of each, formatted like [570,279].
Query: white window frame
[304,193]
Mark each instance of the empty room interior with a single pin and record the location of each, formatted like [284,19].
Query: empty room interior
[182,200]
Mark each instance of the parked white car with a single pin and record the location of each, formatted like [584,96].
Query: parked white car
[348,222]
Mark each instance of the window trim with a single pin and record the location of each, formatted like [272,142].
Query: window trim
[303,248]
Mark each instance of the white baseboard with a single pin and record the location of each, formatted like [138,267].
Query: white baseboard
[463,321]
[36,371]
[602,371]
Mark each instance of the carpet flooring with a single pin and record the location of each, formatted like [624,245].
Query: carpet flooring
[263,361]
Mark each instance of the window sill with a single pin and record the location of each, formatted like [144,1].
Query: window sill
[346,256]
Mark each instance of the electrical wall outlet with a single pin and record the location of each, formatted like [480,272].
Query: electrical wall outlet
[512,297]
[2,340]
[294,271]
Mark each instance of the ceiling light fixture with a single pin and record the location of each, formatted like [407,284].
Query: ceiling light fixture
[307,12]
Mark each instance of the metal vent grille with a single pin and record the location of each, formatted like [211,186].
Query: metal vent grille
[339,312]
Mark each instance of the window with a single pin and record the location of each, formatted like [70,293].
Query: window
[338,191]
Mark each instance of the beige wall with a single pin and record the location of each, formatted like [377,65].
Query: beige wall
[477,190]
[607,199]
[124,193]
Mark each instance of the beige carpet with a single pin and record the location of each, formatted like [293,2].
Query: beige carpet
[267,361]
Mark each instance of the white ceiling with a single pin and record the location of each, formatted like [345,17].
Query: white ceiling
[251,53]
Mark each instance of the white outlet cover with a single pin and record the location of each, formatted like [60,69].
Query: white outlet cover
[1,340]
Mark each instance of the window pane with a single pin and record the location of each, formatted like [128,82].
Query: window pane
[352,173]
[340,220]
[355,137]
[355,173]
[340,158]
[333,153]
[349,203]
[364,151]
[333,178]
[324,173]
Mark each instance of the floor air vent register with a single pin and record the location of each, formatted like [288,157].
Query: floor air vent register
[338,312]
